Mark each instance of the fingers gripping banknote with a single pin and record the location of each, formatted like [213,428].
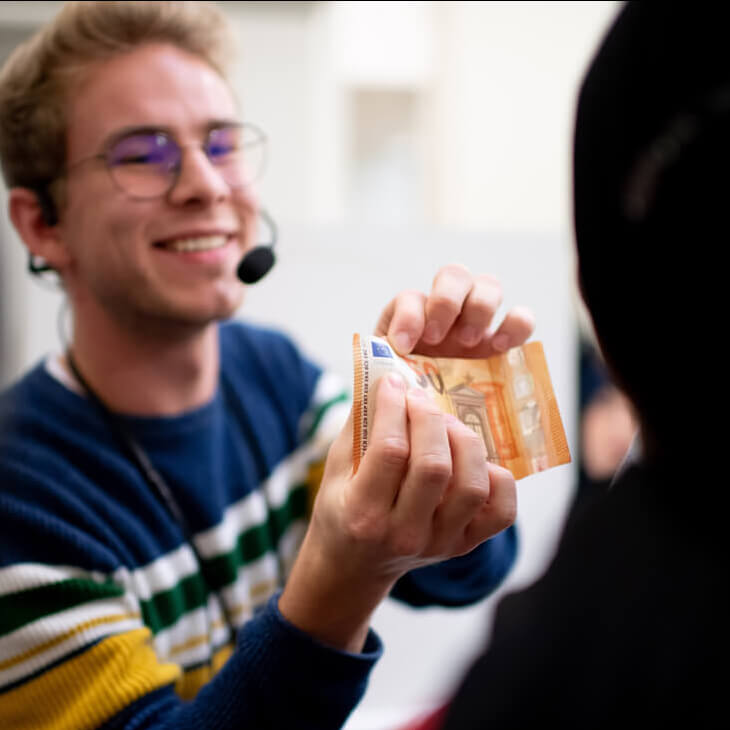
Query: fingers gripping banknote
[507,399]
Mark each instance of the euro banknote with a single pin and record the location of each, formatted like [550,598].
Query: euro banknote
[508,399]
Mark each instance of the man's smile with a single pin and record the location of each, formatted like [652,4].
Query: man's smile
[189,244]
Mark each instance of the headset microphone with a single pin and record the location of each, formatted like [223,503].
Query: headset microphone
[256,264]
[260,259]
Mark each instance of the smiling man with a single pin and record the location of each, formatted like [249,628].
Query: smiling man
[160,563]
[174,221]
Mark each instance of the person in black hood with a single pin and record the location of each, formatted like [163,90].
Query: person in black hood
[627,626]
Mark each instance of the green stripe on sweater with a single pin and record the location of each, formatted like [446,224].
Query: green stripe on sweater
[255,542]
[166,607]
[19,609]
[317,417]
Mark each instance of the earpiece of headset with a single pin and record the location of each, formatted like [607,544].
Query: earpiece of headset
[36,265]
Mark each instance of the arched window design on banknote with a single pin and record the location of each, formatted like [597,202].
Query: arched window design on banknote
[470,408]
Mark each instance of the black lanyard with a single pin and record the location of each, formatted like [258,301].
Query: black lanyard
[154,479]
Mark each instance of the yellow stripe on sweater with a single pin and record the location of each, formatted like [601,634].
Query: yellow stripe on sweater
[56,640]
[88,689]
[191,682]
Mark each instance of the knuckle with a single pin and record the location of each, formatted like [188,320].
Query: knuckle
[433,467]
[365,527]
[473,488]
[506,512]
[441,304]
[470,437]
[504,504]
[483,305]
[471,441]
[393,452]
[427,413]
[475,494]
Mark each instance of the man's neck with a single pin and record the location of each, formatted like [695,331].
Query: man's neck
[148,371]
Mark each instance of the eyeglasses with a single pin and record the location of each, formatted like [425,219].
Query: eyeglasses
[146,163]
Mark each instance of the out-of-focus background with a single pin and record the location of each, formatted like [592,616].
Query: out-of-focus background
[403,136]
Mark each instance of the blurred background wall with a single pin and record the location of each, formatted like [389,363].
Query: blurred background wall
[403,136]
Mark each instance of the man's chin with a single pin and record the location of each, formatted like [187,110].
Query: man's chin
[220,305]
[179,318]
[202,319]
[225,308]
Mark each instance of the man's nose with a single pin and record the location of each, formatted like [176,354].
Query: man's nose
[198,180]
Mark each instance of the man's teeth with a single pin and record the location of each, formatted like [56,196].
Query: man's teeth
[199,243]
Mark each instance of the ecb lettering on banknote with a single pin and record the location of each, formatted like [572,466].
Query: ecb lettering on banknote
[507,399]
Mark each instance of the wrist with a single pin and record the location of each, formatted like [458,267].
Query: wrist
[329,602]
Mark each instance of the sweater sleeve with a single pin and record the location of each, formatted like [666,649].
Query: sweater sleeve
[278,677]
[464,580]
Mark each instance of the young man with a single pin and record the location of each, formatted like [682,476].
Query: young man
[628,627]
[155,545]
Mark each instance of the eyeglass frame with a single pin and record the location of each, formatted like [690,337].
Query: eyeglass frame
[177,169]
[47,204]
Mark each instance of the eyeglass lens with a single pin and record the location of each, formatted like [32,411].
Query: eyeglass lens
[147,164]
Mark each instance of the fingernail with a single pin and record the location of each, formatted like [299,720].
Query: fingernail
[403,342]
[469,334]
[501,343]
[397,381]
[432,333]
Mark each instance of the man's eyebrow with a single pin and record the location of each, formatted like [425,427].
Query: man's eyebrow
[225,122]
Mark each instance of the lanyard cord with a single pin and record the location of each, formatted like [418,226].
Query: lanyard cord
[154,479]
[245,421]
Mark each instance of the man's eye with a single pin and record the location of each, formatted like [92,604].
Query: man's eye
[222,143]
[141,150]
[218,150]
[139,159]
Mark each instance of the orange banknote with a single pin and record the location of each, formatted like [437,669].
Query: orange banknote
[507,399]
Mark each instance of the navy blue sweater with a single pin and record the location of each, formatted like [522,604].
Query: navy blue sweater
[108,617]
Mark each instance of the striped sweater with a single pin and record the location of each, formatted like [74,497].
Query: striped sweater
[108,618]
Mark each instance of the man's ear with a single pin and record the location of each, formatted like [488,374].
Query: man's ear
[42,239]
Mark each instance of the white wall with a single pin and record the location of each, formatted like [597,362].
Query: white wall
[403,135]
[506,96]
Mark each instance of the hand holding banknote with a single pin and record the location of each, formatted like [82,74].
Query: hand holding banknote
[424,491]
[445,344]
[455,319]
